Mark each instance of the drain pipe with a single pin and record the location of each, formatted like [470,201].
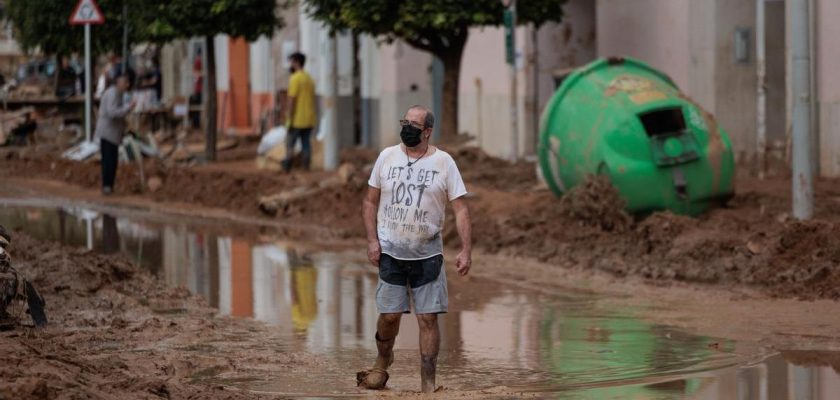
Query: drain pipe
[761,90]
[803,179]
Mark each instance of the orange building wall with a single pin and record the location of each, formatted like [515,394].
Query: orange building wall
[234,105]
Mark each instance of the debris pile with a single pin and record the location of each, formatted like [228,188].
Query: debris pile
[596,202]
[17,295]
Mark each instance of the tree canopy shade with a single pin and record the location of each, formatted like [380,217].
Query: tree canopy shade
[44,25]
[440,27]
[174,19]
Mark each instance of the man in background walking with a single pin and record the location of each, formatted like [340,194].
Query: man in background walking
[110,125]
[300,118]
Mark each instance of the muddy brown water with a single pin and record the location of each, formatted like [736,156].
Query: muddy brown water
[535,344]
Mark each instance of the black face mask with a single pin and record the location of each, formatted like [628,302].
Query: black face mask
[410,135]
[292,70]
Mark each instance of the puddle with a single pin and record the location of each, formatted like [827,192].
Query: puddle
[565,344]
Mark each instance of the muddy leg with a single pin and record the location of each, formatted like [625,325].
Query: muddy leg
[387,328]
[429,346]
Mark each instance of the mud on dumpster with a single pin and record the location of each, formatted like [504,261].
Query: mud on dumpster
[621,118]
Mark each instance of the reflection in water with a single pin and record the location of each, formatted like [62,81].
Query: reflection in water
[110,234]
[494,335]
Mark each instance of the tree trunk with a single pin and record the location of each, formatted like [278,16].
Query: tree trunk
[451,78]
[210,124]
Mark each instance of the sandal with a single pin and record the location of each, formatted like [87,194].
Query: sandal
[368,378]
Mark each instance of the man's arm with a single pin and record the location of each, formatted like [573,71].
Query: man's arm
[109,105]
[462,222]
[290,106]
[291,94]
[369,208]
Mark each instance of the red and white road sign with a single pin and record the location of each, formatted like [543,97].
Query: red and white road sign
[87,13]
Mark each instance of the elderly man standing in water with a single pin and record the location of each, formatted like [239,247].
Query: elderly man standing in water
[403,213]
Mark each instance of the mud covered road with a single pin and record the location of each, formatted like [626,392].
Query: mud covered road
[752,242]
[176,322]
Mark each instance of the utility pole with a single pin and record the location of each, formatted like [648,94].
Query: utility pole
[330,96]
[87,12]
[88,86]
[761,89]
[535,112]
[802,149]
[510,46]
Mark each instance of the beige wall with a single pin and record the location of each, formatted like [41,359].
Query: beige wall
[655,31]
[484,99]
[560,46]
[828,85]
[404,80]
[691,41]
[735,83]
[484,95]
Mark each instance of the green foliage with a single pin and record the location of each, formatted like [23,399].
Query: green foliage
[431,25]
[172,19]
[44,25]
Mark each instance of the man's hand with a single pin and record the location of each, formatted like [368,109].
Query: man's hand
[462,221]
[369,205]
[463,262]
[374,251]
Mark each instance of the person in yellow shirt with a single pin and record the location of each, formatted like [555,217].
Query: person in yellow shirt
[300,117]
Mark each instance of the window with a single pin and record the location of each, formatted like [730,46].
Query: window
[665,121]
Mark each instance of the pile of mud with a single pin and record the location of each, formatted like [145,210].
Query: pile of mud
[209,187]
[596,202]
[478,167]
[115,331]
[753,243]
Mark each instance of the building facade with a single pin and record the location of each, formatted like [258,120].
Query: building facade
[706,46]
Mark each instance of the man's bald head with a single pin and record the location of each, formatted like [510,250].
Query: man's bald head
[427,118]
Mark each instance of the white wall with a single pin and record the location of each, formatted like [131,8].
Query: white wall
[261,66]
[655,31]
[828,85]
[735,83]
[404,80]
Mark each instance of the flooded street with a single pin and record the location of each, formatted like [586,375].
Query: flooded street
[557,345]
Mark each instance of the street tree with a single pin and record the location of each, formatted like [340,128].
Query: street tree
[439,27]
[176,19]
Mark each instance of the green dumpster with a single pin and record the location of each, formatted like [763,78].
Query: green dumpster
[621,118]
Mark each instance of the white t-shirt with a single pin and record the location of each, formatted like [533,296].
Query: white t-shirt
[413,201]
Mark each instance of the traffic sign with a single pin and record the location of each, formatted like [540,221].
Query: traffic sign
[86,13]
[509,19]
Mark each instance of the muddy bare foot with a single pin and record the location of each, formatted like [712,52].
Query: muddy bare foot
[374,378]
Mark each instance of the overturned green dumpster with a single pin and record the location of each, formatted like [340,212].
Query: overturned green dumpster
[621,118]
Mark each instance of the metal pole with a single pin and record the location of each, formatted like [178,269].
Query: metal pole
[535,116]
[514,109]
[761,91]
[87,83]
[330,95]
[803,180]
[815,105]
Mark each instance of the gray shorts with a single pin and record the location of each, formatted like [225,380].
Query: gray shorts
[425,279]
